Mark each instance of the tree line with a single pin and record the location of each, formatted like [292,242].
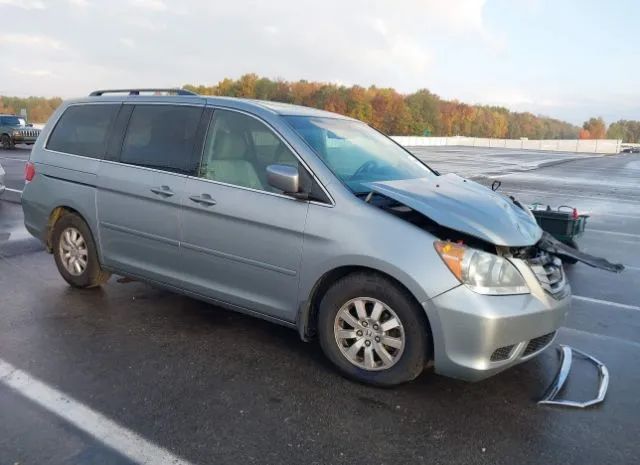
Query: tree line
[419,113]
[39,109]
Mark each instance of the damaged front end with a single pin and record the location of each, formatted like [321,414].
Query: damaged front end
[461,211]
[514,293]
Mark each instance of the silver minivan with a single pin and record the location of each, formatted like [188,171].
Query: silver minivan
[302,217]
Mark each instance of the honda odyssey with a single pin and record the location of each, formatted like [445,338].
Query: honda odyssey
[309,219]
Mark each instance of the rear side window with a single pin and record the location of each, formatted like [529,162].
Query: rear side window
[83,130]
[162,137]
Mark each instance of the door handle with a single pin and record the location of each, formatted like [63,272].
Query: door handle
[204,199]
[164,191]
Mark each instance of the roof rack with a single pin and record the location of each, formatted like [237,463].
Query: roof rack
[98,93]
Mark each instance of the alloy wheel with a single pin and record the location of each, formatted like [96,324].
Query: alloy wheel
[369,334]
[73,251]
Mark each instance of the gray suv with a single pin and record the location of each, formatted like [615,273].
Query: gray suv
[15,130]
[308,219]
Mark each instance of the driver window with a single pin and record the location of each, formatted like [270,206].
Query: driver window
[238,150]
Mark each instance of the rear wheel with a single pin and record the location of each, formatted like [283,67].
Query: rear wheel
[373,330]
[75,253]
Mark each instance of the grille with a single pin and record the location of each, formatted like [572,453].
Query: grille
[549,272]
[30,132]
[502,353]
[537,344]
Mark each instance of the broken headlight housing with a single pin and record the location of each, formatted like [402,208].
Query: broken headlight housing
[482,272]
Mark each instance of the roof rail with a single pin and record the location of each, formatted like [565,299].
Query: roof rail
[98,93]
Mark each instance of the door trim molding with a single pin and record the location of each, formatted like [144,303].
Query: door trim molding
[135,232]
[236,258]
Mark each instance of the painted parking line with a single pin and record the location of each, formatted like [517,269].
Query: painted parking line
[604,337]
[565,194]
[606,302]
[615,233]
[621,215]
[8,189]
[113,435]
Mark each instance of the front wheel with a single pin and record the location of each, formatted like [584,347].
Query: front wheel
[7,143]
[373,330]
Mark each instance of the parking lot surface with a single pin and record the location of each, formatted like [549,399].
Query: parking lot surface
[474,161]
[213,386]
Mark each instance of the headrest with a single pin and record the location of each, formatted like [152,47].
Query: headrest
[229,146]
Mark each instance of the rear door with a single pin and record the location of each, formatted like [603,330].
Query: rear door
[141,187]
[242,240]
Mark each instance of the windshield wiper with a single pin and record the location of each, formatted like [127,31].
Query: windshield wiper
[365,195]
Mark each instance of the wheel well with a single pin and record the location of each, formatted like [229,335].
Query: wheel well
[55,215]
[308,326]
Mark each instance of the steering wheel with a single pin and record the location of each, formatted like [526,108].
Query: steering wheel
[366,166]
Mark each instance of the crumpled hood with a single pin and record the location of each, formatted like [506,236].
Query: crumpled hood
[465,206]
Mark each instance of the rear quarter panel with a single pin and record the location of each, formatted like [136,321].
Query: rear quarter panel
[61,180]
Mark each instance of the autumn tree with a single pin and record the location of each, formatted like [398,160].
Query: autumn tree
[38,108]
[385,109]
[584,134]
[596,128]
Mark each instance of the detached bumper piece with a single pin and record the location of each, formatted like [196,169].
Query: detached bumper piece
[566,357]
[550,244]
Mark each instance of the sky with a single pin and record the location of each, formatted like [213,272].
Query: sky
[569,59]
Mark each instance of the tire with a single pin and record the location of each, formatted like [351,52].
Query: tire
[570,260]
[368,290]
[7,143]
[71,233]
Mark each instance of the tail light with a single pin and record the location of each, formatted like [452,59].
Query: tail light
[29,171]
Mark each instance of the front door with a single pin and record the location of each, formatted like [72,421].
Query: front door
[140,193]
[242,240]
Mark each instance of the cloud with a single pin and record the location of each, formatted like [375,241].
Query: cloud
[25,4]
[33,72]
[30,40]
[388,43]
[150,5]
[127,42]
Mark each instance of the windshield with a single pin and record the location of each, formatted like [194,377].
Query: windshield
[13,121]
[356,153]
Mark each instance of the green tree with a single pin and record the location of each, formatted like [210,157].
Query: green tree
[424,108]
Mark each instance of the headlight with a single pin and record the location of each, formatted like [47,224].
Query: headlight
[482,272]
[15,133]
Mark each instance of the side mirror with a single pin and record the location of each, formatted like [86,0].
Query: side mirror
[284,178]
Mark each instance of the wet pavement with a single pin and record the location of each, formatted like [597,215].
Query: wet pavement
[474,161]
[13,161]
[213,386]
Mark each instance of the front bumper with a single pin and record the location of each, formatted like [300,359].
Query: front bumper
[21,139]
[476,336]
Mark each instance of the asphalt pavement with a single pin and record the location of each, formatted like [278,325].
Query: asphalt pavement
[214,387]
